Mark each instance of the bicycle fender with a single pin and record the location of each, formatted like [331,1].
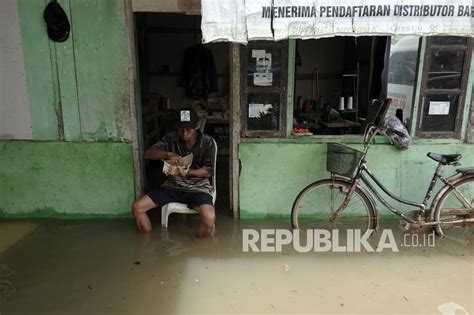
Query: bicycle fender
[374,206]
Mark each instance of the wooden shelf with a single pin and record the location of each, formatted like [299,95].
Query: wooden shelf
[217,120]
[322,76]
[177,74]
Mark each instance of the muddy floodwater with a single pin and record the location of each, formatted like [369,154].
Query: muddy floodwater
[107,267]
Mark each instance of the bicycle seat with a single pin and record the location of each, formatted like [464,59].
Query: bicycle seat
[465,170]
[445,159]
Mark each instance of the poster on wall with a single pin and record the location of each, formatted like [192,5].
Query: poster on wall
[263,75]
[244,20]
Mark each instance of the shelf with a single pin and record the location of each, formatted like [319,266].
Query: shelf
[340,124]
[323,76]
[217,120]
[150,116]
[177,74]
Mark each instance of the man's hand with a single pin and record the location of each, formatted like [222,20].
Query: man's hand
[156,154]
[175,159]
[199,172]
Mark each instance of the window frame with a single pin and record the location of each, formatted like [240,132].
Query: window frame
[281,89]
[461,92]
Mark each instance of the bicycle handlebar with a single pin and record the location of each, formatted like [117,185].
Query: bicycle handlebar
[370,132]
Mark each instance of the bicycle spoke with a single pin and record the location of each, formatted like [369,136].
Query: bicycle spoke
[317,206]
[456,205]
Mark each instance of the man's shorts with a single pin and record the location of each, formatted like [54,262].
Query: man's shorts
[163,195]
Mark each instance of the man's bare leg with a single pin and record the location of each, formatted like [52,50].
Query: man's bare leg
[139,209]
[208,218]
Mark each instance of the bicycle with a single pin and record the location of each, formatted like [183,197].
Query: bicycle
[346,199]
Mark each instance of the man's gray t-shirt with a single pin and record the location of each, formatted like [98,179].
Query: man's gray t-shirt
[203,157]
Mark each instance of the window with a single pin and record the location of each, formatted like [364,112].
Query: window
[264,81]
[402,69]
[334,91]
[442,96]
[338,78]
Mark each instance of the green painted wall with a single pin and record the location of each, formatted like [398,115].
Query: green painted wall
[275,171]
[100,49]
[40,75]
[79,89]
[79,100]
[58,179]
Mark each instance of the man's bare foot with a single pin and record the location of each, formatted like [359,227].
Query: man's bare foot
[204,231]
[143,222]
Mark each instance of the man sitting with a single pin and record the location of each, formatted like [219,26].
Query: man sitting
[194,188]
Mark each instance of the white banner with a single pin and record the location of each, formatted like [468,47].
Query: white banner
[243,20]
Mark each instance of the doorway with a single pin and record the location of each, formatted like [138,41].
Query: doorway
[164,43]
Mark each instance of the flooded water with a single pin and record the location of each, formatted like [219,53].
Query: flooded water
[107,267]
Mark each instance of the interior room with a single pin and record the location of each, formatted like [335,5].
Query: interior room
[336,80]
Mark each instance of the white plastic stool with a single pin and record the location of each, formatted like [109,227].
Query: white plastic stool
[176,207]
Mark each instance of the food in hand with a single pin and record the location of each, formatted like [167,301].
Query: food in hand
[174,170]
[183,170]
[178,166]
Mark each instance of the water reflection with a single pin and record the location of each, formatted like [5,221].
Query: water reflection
[107,267]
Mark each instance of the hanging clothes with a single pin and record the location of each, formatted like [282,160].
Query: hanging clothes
[381,56]
[198,74]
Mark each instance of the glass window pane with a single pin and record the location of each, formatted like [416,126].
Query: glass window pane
[263,111]
[444,80]
[448,40]
[439,112]
[402,67]
[445,69]
[402,74]
[446,61]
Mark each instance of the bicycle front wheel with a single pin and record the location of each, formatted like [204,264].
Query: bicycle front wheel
[315,205]
[456,204]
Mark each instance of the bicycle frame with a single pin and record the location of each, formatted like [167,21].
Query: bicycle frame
[420,206]
[362,169]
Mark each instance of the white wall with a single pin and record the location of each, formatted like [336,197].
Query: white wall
[15,119]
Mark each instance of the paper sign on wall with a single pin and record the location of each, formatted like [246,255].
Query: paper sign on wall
[258,53]
[439,108]
[263,75]
[257,110]
[263,79]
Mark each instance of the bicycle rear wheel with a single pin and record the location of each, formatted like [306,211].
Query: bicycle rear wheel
[317,202]
[456,204]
